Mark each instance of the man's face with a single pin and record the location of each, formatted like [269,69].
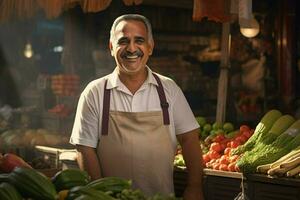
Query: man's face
[130,47]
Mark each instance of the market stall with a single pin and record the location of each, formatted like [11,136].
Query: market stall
[40,134]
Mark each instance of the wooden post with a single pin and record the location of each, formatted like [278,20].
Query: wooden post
[223,79]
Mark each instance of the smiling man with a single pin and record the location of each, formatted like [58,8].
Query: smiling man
[128,123]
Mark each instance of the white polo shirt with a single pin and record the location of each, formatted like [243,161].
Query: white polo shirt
[87,125]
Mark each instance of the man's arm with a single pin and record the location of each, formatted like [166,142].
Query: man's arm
[192,155]
[88,160]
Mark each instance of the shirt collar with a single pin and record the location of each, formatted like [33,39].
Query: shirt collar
[114,80]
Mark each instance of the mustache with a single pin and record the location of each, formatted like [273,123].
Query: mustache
[138,53]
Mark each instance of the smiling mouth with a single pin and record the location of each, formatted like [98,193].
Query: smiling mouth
[134,55]
[131,57]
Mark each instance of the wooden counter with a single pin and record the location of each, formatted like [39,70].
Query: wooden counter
[222,185]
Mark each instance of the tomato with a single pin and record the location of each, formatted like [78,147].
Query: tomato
[215,146]
[219,138]
[231,167]
[214,154]
[227,151]
[224,160]
[241,139]
[223,146]
[233,158]
[223,167]
[216,166]
[206,158]
[208,165]
[247,134]
[244,128]
[234,144]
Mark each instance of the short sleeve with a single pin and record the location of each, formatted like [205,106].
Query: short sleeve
[184,119]
[86,123]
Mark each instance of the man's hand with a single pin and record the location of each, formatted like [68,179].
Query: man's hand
[88,160]
[192,155]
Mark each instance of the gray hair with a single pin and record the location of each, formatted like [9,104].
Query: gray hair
[135,17]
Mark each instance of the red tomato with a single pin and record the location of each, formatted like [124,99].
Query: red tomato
[223,146]
[214,154]
[233,158]
[234,144]
[247,134]
[216,166]
[206,158]
[215,146]
[219,138]
[241,139]
[231,167]
[223,167]
[244,128]
[224,160]
[227,151]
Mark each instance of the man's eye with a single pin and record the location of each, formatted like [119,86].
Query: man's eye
[140,41]
[122,42]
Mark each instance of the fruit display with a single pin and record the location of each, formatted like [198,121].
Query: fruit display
[68,184]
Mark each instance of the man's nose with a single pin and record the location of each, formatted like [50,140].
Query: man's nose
[131,47]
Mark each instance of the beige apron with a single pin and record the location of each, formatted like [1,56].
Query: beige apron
[138,146]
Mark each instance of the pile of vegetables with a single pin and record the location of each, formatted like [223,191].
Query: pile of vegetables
[68,184]
[218,157]
[288,165]
[275,136]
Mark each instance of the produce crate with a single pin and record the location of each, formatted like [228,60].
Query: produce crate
[222,185]
[180,181]
[262,187]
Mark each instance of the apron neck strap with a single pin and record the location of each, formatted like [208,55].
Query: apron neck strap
[105,110]
[106,104]
[163,101]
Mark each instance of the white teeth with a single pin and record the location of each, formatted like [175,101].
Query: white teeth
[132,57]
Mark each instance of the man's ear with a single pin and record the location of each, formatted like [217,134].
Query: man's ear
[111,49]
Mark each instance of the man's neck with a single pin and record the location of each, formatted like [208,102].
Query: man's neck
[133,81]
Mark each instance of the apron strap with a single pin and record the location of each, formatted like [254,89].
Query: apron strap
[163,101]
[105,110]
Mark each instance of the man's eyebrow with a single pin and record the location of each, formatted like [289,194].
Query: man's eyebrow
[123,38]
[140,38]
